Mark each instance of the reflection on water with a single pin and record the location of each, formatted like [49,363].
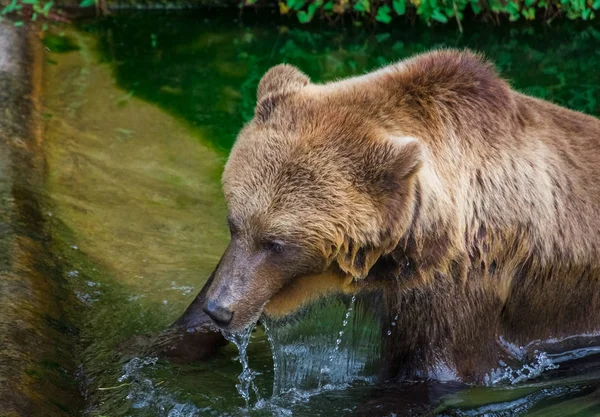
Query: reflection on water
[136,133]
[205,70]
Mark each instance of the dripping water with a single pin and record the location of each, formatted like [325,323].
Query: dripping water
[276,388]
[344,324]
[246,378]
[325,370]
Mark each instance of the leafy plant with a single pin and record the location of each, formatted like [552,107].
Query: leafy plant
[34,9]
[27,8]
[436,11]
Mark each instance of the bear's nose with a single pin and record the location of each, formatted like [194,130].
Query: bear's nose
[220,315]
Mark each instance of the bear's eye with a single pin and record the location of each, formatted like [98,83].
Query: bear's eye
[274,246]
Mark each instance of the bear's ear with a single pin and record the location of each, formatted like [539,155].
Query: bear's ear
[281,79]
[387,178]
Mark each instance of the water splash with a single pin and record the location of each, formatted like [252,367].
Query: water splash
[510,375]
[144,393]
[312,353]
[246,378]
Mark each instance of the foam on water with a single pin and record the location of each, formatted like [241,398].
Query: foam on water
[542,360]
[510,375]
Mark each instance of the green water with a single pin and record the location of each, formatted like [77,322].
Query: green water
[140,112]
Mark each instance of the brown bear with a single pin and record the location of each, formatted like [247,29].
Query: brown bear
[472,209]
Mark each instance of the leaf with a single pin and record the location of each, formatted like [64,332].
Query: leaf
[87,3]
[400,7]
[513,9]
[439,16]
[47,7]
[398,46]
[529,13]
[585,15]
[291,4]
[283,8]
[383,14]
[529,3]
[362,6]
[303,17]
[596,5]
[8,8]
[18,23]
[329,5]
[476,7]
[296,4]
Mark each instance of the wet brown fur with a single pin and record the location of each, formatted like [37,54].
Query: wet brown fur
[475,208]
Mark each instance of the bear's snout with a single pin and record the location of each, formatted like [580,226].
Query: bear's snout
[220,315]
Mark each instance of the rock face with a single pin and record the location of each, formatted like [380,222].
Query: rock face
[36,373]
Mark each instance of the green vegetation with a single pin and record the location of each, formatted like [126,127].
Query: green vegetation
[367,11]
[440,11]
[24,10]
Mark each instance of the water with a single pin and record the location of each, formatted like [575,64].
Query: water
[246,378]
[139,115]
[333,355]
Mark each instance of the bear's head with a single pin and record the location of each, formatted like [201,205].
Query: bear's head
[317,185]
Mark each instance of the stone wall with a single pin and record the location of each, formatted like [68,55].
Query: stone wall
[36,339]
